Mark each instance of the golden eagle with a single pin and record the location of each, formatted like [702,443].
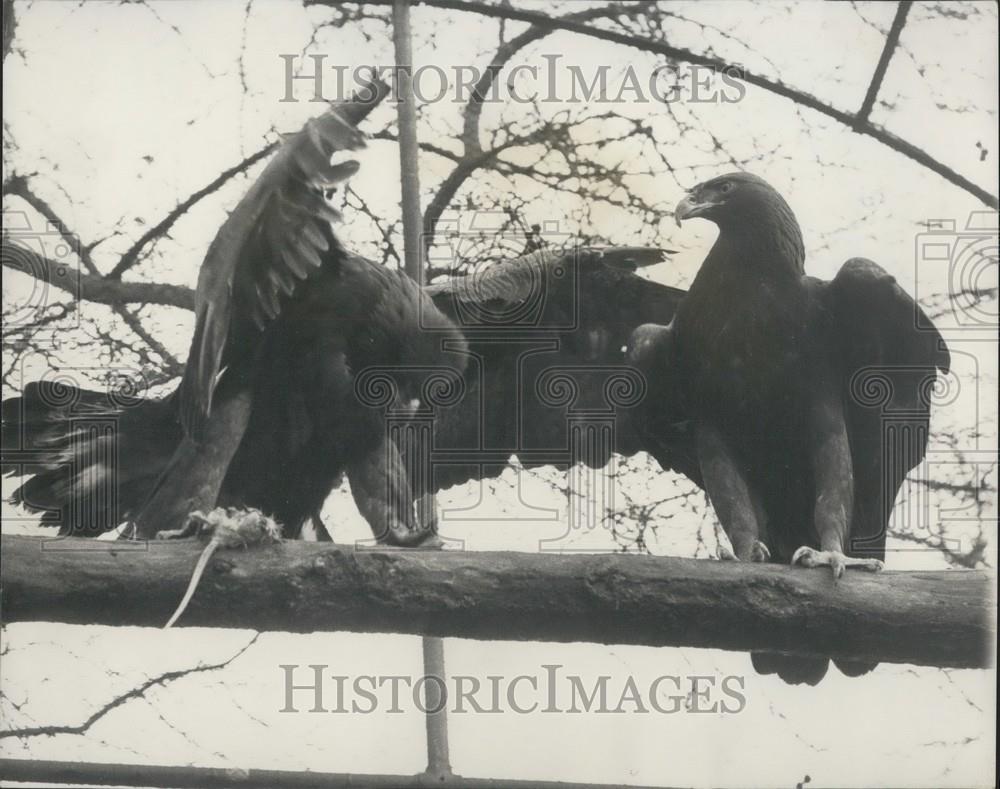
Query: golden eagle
[565,311]
[271,409]
[774,371]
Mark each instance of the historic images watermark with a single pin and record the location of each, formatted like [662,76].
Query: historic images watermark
[312,78]
[318,688]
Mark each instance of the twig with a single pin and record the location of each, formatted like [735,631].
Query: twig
[891,41]
[800,97]
[131,255]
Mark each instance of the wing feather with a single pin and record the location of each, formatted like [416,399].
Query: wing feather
[274,238]
[882,323]
[514,280]
[891,354]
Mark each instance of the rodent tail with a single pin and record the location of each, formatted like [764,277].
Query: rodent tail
[199,570]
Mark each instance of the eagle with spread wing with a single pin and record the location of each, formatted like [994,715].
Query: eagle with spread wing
[810,400]
[268,414]
[271,409]
[568,312]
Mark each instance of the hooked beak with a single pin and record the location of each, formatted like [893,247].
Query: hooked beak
[688,207]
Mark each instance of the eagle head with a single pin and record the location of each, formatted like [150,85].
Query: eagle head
[730,195]
[748,208]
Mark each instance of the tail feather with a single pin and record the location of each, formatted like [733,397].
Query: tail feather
[37,426]
[792,669]
[854,668]
[90,458]
[805,671]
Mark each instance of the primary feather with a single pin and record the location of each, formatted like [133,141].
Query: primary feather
[272,240]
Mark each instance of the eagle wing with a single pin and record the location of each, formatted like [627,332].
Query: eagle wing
[891,353]
[274,239]
[515,280]
[546,324]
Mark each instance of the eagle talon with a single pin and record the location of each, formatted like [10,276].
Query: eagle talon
[432,542]
[402,536]
[725,554]
[760,553]
[835,560]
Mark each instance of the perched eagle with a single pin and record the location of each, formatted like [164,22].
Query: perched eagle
[809,400]
[299,347]
[274,404]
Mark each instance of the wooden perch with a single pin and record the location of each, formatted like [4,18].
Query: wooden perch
[926,618]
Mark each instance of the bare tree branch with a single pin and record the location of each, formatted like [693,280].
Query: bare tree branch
[17,186]
[174,366]
[891,41]
[473,156]
[132,254]
[850,120]
[165,678]
[94,287]
[386,134]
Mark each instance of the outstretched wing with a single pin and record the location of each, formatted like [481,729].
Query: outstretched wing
[275,237]
[516,280]
[891,353]
[547,333]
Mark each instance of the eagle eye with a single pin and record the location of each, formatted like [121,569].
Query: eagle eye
[726,186]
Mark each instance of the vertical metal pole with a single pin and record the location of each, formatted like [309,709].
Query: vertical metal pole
[408,151]
[436,698]
[435,691]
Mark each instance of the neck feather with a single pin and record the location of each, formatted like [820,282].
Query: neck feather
[767,238]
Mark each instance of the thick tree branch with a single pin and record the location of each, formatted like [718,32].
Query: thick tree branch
[17,186]
[800,97]
[93,287]
[925,618]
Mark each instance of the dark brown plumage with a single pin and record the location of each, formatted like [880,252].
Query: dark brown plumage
[271,410]
[553,312]
[775,370]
